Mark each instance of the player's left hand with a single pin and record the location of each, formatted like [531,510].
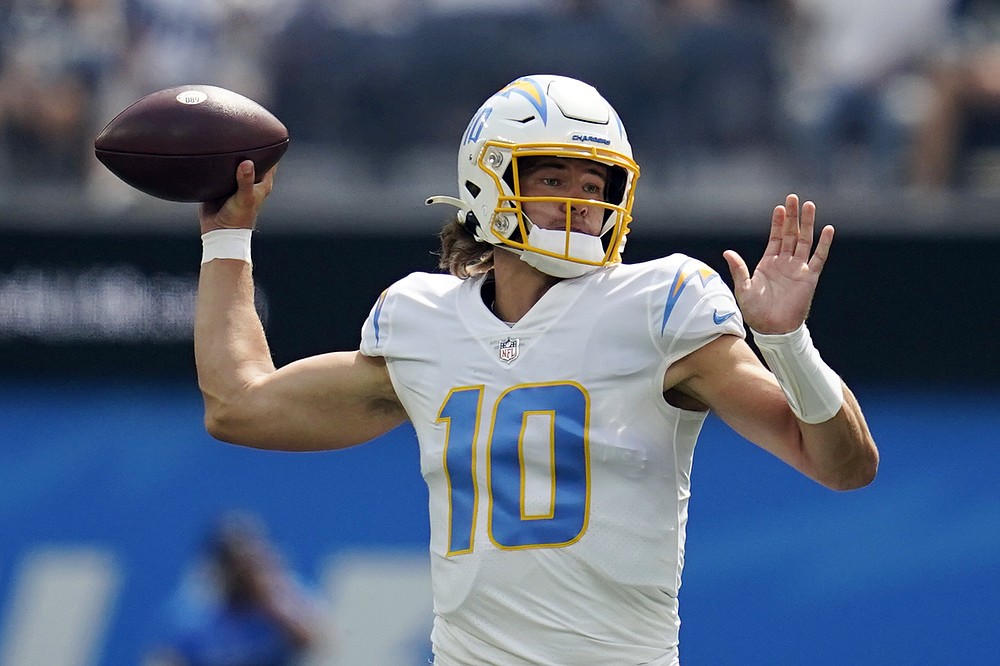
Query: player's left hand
[776,298]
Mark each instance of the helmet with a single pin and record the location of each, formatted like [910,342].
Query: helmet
[553,116]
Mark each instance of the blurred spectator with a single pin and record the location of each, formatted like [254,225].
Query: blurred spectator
[855,90]
[383,89]
[54,56]
[373,16]
[242,608]
[458,55]
[565,42]
[170,43]
[963,115]
[218,42]
[705,82]
[349,68]
[701,81]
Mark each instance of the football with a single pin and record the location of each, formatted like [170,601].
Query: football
[184,143]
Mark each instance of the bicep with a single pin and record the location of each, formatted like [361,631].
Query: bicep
[727,377]
[328,401]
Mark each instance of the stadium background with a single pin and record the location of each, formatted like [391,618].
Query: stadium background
[107,479]
[108,473]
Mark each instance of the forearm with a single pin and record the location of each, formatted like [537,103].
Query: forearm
[836,446]
[326,401]
[840,453]
[231,350]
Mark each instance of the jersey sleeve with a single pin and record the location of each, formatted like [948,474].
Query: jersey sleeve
[375,330]
[693,307]
[397,322]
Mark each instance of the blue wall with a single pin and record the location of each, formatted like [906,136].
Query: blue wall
[906,571]
[780,571]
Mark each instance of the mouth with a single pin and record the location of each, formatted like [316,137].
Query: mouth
[559,224]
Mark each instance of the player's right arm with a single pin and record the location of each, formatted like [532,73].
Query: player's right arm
[328,401]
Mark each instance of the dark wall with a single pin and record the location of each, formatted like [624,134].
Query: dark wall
[903,308]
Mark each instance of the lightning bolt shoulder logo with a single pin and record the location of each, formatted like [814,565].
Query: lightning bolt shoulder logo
[688,271]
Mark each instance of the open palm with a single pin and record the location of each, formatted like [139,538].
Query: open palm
[776,298]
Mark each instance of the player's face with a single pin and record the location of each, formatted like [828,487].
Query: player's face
[568,178]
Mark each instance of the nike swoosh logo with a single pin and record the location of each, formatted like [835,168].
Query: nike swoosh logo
[721,318]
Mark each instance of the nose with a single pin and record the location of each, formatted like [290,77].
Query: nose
[575,208]
[577,216]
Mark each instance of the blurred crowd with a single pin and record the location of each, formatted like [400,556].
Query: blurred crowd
[897,94]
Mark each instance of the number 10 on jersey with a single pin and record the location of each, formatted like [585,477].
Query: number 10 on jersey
[538,437]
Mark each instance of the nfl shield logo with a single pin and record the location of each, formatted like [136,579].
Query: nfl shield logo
[508,350]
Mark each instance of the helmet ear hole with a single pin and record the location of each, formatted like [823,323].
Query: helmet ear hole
[472,188]
[471,224]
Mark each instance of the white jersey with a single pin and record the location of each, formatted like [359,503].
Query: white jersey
[558,475]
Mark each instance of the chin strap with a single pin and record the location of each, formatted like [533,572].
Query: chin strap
[553,241]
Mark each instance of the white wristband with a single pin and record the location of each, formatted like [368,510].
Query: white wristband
[814,391]
[226,244]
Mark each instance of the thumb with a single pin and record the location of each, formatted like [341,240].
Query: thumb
[738,269]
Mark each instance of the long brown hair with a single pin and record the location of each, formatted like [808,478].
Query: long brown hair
[461,254]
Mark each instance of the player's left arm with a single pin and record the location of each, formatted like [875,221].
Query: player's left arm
[726,376]
[806,415]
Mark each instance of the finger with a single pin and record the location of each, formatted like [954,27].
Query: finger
[236,211]
[244,188]
[790,230]
[244,182]
[245,172]
[774,237]
[818,260]
[266,183]
[738,269]
[807,223]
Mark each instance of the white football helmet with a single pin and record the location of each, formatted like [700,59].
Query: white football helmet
[554,116]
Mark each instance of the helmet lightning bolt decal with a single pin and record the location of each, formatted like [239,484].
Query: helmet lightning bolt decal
[681,280]
[531,91]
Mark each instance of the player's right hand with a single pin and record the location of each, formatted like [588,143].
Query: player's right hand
[240,210]
[776,298]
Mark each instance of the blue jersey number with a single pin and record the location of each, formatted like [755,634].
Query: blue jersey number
[538,436]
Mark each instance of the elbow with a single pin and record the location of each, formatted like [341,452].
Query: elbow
[220,427]
[216,427]
[855,474]
[226,422]
[853,481]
